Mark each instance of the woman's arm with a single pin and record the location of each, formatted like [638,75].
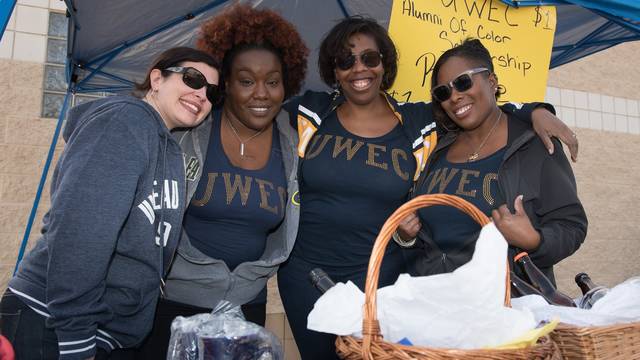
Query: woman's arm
[562,219]
[546,125]
[562,222]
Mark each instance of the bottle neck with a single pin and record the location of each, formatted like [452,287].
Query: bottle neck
[585,283]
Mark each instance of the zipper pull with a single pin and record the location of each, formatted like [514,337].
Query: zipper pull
[162,285]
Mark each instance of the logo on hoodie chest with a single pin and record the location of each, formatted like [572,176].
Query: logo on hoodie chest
[191,168]
[162,198]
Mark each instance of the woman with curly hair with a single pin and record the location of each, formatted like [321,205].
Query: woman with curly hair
[241,171]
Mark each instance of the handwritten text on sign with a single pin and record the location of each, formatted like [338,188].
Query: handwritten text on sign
[519,40]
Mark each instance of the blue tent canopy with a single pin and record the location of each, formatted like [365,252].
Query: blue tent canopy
[110,43]
[588,26]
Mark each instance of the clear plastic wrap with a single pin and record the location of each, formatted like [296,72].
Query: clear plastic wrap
[223,334]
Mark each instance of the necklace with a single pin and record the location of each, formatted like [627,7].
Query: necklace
[474,155]
[242,142]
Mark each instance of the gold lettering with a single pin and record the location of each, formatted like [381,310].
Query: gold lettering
[464,181]
[440,177]
[207,192]
[351,150]
[395,153]
[283,197]
[232,189]
[315,152]
[486,187]
[371,159]
[264,195]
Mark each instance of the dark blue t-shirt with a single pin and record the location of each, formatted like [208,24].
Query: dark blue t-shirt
[233,210]
[476,182]
[349,187]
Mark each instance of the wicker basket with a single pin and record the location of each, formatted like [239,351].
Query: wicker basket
[372,345]
[613,342]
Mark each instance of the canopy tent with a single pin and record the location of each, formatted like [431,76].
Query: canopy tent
[110,43]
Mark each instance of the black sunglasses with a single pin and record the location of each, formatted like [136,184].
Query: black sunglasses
[369,58]
[461,83]
[194,79]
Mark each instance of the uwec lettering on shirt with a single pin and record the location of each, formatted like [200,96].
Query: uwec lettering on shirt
[350,147]
[165,196]
[443,176]
[242,185]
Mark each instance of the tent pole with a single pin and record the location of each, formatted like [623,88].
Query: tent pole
[6,8]
[43,178]
[345,13]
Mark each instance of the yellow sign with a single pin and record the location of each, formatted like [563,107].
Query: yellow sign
[519,40]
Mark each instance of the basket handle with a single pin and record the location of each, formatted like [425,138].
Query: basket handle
[371,326]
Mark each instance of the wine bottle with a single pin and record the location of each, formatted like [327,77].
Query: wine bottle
[320,280]
[541,282]
[520,287]
[590,291]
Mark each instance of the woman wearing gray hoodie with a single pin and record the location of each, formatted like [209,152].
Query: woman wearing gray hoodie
[90,285]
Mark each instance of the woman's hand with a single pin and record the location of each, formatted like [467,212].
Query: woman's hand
[516,228]
[547,125]
[409,227]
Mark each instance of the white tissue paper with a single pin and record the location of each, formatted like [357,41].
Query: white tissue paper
[463,309]
[620,305]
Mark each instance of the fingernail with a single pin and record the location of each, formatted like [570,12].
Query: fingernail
[521,197]
[550,151]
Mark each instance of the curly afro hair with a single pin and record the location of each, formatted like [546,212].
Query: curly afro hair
[242,27]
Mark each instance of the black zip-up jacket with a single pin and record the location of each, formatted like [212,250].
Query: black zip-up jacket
[550,201]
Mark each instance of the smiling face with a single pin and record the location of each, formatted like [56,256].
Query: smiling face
[468,109]
[254,88]
[361,84]
[178,104]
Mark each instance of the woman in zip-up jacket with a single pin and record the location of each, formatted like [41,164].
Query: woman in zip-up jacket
[90,285]
[498,165]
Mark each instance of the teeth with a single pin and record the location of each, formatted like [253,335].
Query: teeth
[361,84]
[261,109]
[463,109]
[194,108]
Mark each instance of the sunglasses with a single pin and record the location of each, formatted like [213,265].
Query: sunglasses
[369,59]
[195,80]
[461,83]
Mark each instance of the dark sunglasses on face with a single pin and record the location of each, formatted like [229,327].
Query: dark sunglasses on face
[196,80]
[461,83]
[369,59]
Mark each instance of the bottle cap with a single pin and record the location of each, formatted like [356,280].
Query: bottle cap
[520,255]
[580,276]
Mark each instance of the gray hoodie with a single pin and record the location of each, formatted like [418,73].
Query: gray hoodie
[95,272]
[199,280]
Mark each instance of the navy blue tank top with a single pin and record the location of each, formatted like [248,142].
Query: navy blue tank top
[476,182]
[233,210]
[350,185]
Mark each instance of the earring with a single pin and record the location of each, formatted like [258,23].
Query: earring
[337,91]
